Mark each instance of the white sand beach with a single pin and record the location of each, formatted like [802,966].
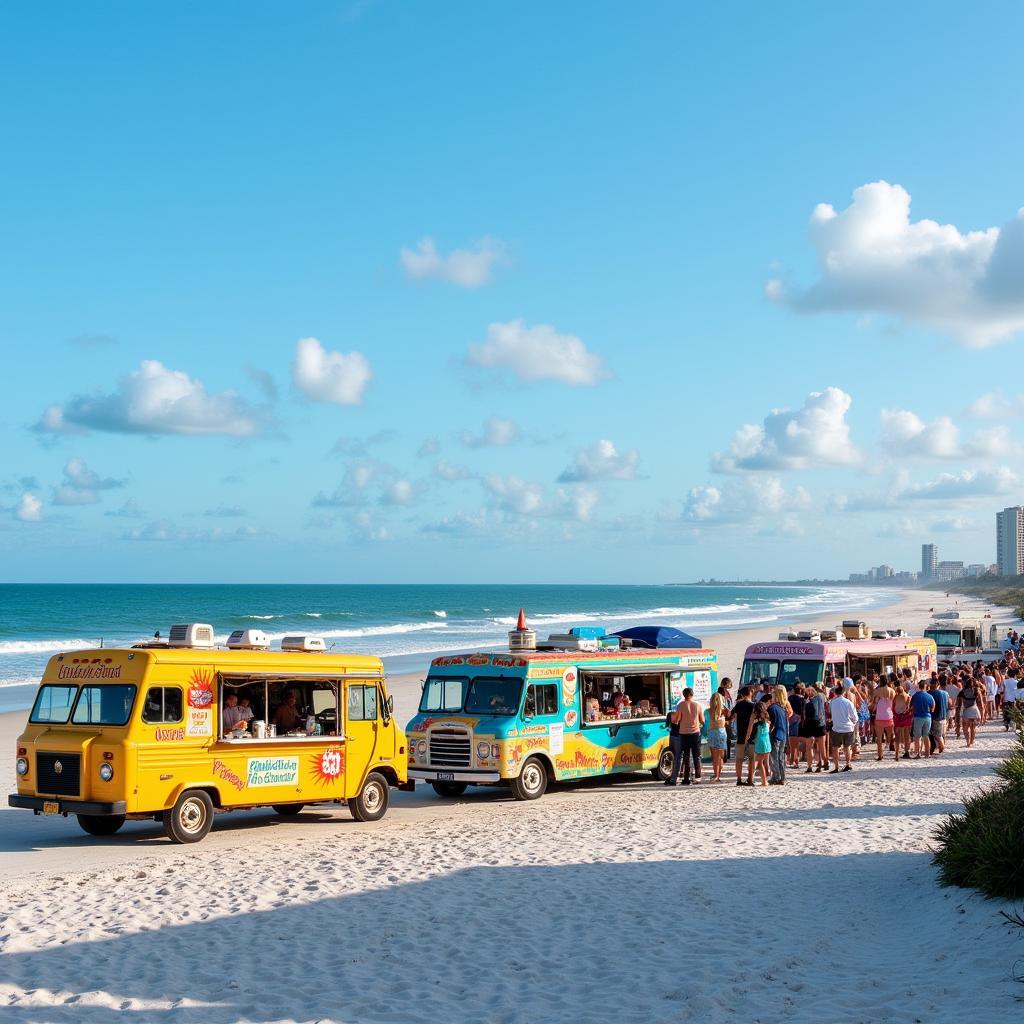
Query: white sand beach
[617,900]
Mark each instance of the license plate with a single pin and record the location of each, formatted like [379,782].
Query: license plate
[51,807]
[446,776]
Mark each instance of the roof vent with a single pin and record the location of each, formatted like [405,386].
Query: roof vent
[248,640]
[522,638]
[303,643]
[191,634]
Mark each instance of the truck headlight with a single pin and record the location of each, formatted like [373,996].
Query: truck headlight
[483,749]
[106,771]
[421,748]
[21,766]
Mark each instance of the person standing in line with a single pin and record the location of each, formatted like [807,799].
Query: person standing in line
[688,718]
[725,692]
[844,728]
[778,712]
[971,695]
[989,682]
[952,689]
[796,702]
[813,728]
[881,705]
[741,713]
[939,715]
[922,703]
[759,741]
[903,719]
[1012,695]
[717,734]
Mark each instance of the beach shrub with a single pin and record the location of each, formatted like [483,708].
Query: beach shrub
[983,848]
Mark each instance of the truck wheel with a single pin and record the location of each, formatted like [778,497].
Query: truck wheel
[100,824]
[372,802]
[190,818]
[531,781]
[663,770]
[288,810]
[449,790]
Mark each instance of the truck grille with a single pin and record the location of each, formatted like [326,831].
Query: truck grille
[450,748]
[67,781]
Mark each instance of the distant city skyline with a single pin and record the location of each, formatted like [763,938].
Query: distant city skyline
[566,293]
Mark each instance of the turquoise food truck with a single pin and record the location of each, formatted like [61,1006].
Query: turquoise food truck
[529,718]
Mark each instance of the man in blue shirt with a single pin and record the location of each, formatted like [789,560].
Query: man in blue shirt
[940,716]
[923,704]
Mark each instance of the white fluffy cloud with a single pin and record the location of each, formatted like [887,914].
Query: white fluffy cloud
[163,531]
[537,353]
[872,258]
[29,508]
[904,434]
[155,400]
[750,500]
[467,268]
[814,436]
[526,498]
[81,486]
[969,483]
[996,405]
[498,432]
[601,461]
[398,492]
[339,378]
[445,470]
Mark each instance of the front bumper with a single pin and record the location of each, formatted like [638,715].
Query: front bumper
[468,775]
[35,803]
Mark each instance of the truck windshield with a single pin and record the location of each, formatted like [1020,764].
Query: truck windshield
[104,705]
[944,637]
[53,704]
[441,694]
[494,695]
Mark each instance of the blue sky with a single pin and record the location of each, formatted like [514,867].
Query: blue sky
[534,292]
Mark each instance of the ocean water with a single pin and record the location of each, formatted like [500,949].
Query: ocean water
[406,625]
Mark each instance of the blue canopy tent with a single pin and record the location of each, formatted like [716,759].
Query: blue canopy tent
[658,636]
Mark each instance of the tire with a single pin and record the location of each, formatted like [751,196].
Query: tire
[190,818]
[532,780]
[100,824]
[288,810]
[663,770]
[372,802]
[449,790]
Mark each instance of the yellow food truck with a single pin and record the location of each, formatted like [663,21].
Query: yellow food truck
[174,731]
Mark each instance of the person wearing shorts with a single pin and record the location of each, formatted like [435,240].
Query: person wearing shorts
[844,728]
[922,703]
[742,713]
[939,716]
[813,728]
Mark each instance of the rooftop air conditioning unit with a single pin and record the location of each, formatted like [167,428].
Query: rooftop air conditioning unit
[191,634]
[809,635]
[248,640]
[303,643]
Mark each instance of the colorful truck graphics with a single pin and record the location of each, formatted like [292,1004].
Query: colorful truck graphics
[528,719]
[140,733]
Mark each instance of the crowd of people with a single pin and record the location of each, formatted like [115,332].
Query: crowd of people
[829,725]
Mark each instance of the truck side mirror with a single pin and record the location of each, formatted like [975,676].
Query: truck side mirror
[390,705]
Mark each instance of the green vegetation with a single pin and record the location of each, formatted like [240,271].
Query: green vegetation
[983,848]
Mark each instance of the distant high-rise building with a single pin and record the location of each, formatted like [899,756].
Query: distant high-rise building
[1010,541]
[929,560]
[949,571]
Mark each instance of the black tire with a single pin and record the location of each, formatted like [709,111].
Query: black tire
[372,802]
[288,810]
[532,780]
[100,824]
[190,818]
[449,790]
[663,770]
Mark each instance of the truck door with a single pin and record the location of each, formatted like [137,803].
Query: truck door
[363,729]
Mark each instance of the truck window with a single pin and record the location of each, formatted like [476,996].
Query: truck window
[541,699]
[163,704]
[494,695]
[755,671]
[446,695]
[104,705]
[362,703]
[53,704]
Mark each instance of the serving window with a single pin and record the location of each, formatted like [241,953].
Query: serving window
[163,704]
[285,704]
[630,696]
